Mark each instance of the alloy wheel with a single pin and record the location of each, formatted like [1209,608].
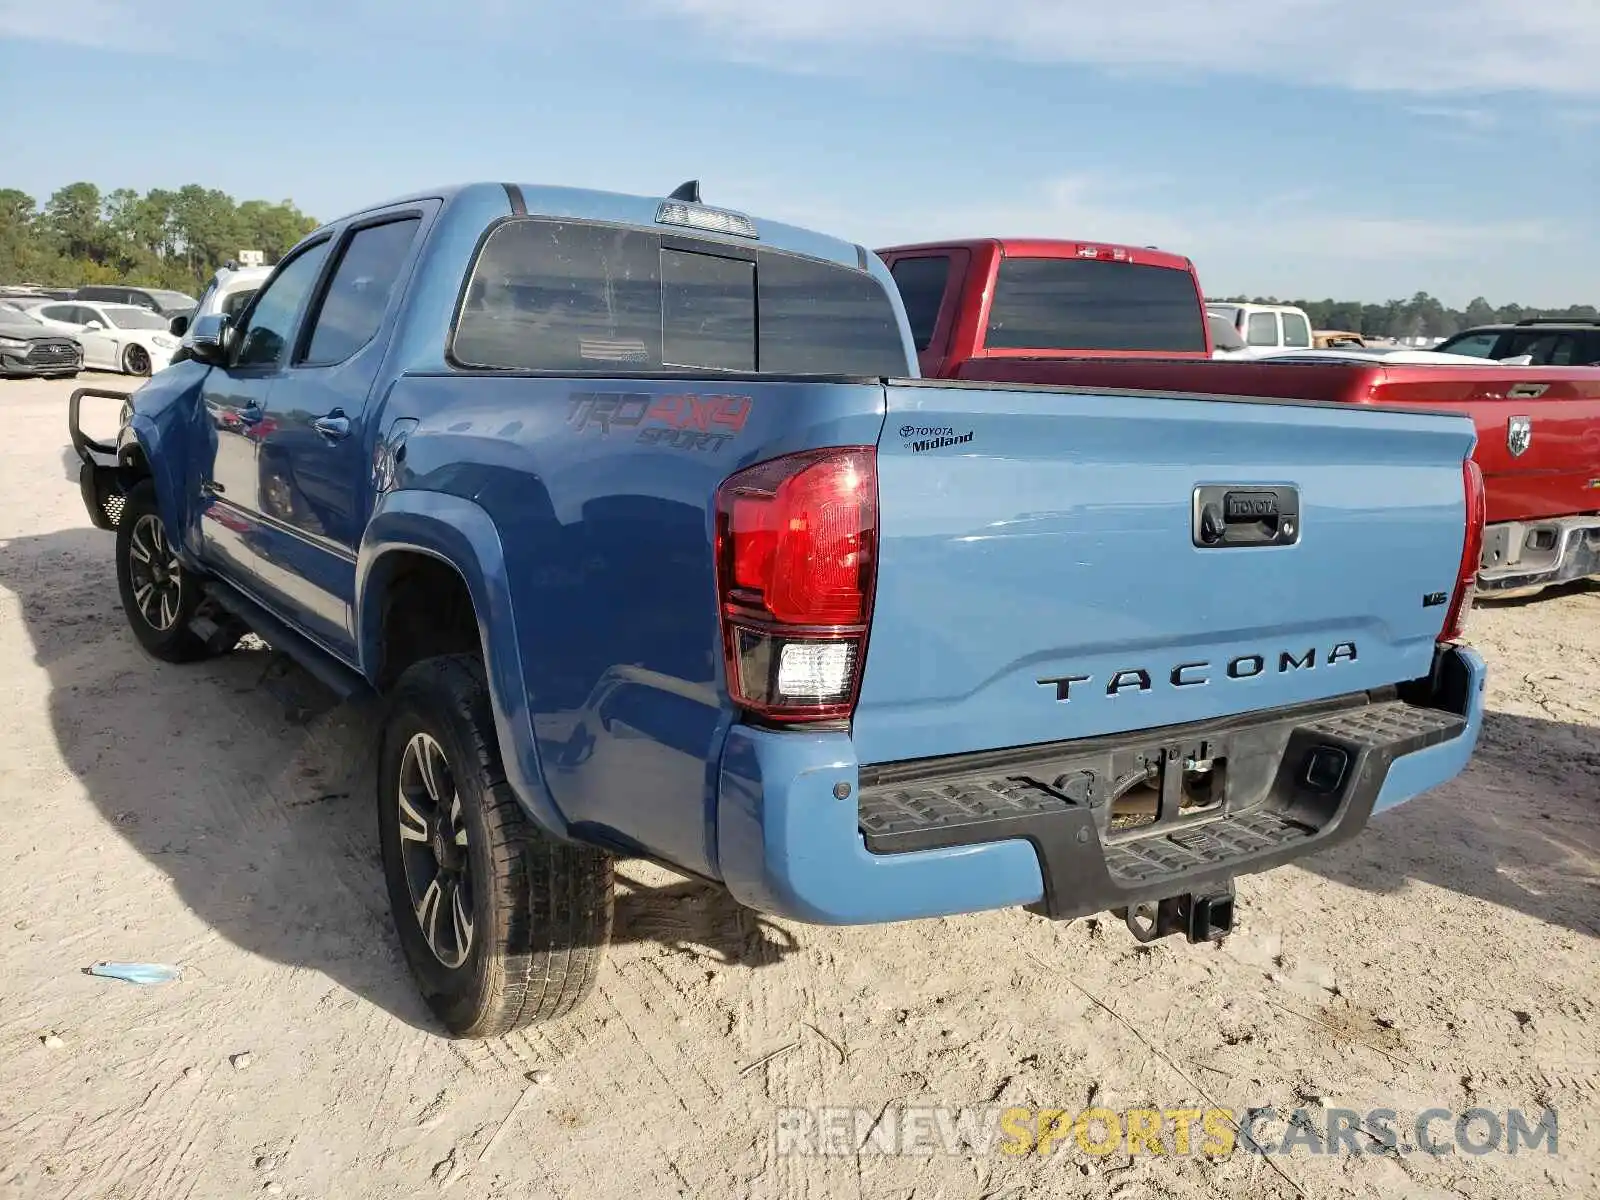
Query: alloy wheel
[434,850]
[156,573]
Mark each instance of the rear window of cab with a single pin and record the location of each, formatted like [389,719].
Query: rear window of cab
[1093,304]
[579,297]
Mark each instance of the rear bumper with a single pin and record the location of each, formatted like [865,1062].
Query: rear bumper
[801,838]
[1522,558]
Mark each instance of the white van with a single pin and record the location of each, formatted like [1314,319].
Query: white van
[1266,328]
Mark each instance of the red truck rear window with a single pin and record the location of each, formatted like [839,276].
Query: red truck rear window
[1088,304]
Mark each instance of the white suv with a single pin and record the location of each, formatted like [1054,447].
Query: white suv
[229,291]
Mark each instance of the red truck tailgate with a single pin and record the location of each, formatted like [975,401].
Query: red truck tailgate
[1538,430]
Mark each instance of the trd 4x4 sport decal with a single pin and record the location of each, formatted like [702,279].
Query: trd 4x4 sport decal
[682,421]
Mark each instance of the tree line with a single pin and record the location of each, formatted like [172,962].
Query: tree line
[1420,316]
[163,238]
[178,238]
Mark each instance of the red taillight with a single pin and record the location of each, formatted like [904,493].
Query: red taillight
[797,542]
[1455,620]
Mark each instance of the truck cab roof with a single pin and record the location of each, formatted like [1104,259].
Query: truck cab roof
[586,204]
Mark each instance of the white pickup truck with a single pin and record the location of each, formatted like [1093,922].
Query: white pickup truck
[1265,328]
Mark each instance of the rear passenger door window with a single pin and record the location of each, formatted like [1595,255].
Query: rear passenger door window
[922,283]
[358,295]
[1296,333]
[1262,329]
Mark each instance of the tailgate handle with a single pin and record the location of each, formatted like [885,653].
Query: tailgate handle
[1246,515]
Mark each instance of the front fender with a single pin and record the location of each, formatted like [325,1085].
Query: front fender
[160,427]
[162,447]
[462,535]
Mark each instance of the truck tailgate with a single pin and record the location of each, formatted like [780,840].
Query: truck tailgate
[1538,431]
[1039,576]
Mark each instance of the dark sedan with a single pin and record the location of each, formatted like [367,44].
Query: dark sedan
[27,349]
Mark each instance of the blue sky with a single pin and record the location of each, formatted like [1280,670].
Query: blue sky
[1363,149]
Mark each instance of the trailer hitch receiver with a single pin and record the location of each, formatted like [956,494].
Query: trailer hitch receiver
[1204,917]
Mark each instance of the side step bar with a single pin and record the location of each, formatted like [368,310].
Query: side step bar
[340,679]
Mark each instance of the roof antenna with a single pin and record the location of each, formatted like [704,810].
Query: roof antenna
[688,192]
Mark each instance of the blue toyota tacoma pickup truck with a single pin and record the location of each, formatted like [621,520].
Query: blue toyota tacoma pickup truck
[637,513]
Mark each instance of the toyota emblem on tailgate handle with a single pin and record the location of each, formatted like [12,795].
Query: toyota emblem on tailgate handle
[1245,515]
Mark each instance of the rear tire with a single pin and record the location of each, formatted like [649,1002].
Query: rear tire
[159,594]
[501,925]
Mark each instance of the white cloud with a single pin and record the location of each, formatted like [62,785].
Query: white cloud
[1421,46]
[114,23]
[1285,244]
[1418,46]
[195,28]
[1470,120]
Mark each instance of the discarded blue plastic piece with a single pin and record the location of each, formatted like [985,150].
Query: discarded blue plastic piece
[141,973]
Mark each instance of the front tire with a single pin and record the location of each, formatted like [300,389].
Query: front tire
[501,925]
[159,594]
[136,360]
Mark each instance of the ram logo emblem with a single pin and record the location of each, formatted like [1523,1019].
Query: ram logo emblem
[1519,435]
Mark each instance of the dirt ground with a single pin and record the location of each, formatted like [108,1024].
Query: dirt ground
[219,817]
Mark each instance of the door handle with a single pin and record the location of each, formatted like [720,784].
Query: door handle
[1246,515]
[333,426]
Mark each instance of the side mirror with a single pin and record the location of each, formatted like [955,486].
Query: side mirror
[94,326]
[210,338]
[179,325]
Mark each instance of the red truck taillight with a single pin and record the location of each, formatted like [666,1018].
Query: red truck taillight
[1455,620]
[797,548]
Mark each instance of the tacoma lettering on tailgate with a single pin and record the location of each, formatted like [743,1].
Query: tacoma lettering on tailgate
[1195,674]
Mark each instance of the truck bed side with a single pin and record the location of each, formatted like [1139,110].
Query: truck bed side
[602,492]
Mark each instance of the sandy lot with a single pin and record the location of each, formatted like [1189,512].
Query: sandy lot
[220,817]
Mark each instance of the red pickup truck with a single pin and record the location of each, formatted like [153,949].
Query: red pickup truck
[1111,317]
